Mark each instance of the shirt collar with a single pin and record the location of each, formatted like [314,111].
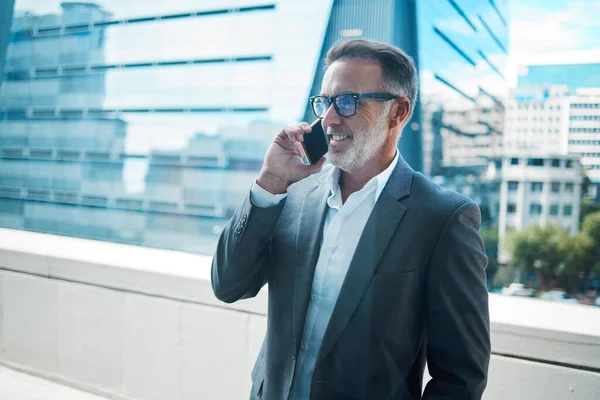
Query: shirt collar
[384,176]
[378,182]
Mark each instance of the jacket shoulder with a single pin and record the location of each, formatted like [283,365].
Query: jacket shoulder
[431,198]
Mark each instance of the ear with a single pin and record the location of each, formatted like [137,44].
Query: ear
[399,112]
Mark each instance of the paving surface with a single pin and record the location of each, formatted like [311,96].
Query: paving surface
[19,386]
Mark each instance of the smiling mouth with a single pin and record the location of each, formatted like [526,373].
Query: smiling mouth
[338,138]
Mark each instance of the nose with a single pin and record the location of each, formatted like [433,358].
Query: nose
[331,118]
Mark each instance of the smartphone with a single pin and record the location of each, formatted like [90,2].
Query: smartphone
[315,143]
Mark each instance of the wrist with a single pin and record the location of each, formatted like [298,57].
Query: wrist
[271,183]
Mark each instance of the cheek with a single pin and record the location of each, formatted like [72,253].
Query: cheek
[362,128]
[366,119]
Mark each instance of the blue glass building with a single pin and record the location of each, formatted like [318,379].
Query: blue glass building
[146,122]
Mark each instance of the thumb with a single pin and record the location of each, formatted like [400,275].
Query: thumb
[316,168]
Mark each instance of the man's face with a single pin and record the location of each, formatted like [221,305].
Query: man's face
[357,140]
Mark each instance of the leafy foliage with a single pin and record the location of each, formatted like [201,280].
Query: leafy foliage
[550,252]
[539,250]
[490,241]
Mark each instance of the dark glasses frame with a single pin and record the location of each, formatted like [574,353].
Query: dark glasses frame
[382,96]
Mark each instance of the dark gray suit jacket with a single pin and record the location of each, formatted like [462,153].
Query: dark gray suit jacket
[414,292]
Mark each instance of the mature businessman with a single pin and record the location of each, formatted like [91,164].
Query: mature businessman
[372,269]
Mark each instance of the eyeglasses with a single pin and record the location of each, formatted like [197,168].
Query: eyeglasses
[345,103]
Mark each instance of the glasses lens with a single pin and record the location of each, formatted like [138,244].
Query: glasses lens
[346,105]
[320,106]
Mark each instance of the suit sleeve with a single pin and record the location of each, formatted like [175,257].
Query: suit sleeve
[458,333]
[240,264]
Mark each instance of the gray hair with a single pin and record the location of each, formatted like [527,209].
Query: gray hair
[399,71]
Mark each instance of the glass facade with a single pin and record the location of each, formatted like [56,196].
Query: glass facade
[145,122]
[462,55]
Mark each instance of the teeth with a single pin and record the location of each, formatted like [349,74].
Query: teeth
[339,137]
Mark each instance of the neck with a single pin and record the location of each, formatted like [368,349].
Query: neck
[351,182]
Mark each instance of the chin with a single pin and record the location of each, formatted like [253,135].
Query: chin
[344,163]
[335,161]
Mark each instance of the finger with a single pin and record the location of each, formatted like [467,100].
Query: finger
[299,149]
[305,126]
[294,133]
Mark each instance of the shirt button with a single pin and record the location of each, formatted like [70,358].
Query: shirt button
[314,298]
[293,357]
[303,348]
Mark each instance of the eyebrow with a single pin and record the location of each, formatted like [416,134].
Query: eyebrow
[344,92]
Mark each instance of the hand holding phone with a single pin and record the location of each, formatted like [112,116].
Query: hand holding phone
[315,143]
[283,163]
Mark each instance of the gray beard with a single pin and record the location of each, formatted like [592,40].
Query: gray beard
[365,146]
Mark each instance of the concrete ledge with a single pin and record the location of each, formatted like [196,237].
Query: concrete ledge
[544,314]
[560,333]
[155,272]
[519,325]
[130,322]
[126,345]
[560,348]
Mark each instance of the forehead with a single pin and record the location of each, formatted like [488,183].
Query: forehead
[352,75]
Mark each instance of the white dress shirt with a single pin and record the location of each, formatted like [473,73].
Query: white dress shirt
[344,224]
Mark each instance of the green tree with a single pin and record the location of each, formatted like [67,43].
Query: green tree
[582,255]
[591,229]
[539,250]
[587,207]
[578,250]
[490,241]
[524,248]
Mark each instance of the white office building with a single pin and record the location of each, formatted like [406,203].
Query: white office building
[584,133]
[539,190]
[548,120]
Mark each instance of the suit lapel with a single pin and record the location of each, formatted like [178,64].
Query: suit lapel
[308,243]
[375,238]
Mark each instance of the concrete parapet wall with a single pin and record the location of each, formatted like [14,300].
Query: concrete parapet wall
[135,323]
